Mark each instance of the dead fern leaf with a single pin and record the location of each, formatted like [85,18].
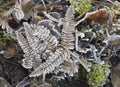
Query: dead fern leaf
[27,62]
[53,61]
[68,31]
[43,49]
[37,39]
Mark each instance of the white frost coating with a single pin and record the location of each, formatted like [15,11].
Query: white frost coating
[68,31]
[18,12]
[27,63]
[45,53]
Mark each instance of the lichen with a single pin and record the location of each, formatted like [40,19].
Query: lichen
[98,75]
[81,6]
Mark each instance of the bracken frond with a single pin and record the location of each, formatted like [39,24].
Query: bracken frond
[53,61]
[27,62]
[68,30]
[37,39]
[43,49]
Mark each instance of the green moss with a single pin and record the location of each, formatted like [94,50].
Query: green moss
[81,6]
[98,75]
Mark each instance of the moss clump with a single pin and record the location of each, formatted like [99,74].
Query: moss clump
[98,75]
[81,6]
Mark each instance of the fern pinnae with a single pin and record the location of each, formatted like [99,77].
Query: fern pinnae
[68,30]
[68,27]
[69,16]
[23,43]
[28,32]
[50,26]
[27,62]
[53,61]
[45,38]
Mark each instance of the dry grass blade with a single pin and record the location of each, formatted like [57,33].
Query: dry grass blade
[53,61]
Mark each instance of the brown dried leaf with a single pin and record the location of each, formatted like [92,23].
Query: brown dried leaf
[101,16]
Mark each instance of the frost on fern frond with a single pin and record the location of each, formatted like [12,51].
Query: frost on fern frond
[68,30]
[35,41]
[44,39]
[47,50]
[50,26]
[24,43]
[67,68]
[17,13]
[27,62]
[69,16]
[54,60]
[39,37]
